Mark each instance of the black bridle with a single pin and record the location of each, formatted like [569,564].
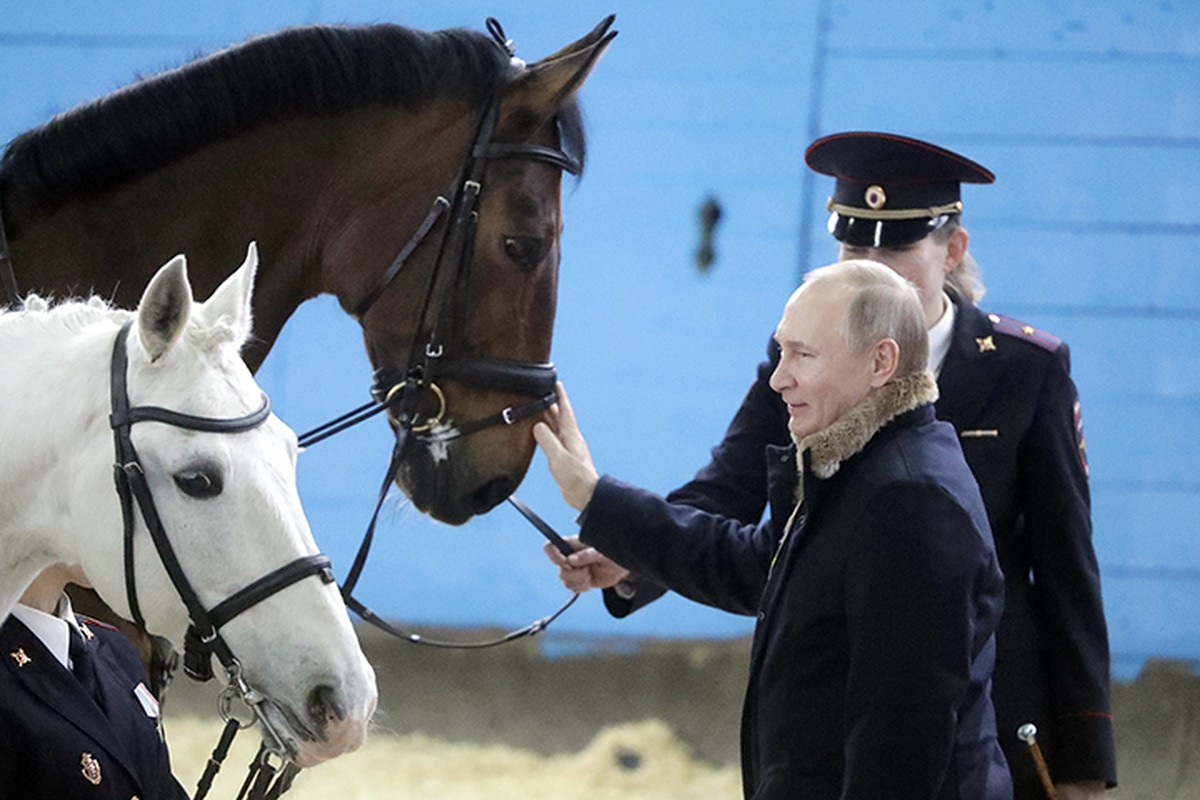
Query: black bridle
[429,360]
[203,639]
[401,392]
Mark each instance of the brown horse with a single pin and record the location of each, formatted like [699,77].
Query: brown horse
[327,146]
[331,147]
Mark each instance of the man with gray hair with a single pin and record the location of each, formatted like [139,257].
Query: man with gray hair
[875,582]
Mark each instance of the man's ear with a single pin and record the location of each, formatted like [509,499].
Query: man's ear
[885,358]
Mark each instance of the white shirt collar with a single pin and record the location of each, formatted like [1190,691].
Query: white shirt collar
[52,630]
[940,336]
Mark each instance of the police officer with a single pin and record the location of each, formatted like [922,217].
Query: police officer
[76,717]
[1006,388]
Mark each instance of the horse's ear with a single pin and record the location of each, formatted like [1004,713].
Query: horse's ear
[165,308]
[546,86]
[229,305]
[596,34]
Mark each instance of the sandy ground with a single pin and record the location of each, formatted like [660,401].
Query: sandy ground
[642,761]
[622,719]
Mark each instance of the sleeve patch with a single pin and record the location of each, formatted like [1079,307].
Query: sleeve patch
[1080,439]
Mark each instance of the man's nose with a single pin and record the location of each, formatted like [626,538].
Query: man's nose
[780,379]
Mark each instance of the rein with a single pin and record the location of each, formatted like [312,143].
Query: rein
[360,559]
[203,638]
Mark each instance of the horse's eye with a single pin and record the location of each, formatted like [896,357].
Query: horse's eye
[199,483]
[526,251]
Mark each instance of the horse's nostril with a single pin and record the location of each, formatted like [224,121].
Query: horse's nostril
[491,494]
[323,706]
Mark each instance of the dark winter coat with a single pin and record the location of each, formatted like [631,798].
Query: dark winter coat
[873,652]
[1007,390]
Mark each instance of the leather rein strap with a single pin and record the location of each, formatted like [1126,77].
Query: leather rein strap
[360,560]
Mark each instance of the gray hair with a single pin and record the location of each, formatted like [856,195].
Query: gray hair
[882,305]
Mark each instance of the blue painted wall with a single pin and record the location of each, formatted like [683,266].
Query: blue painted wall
[1089,113]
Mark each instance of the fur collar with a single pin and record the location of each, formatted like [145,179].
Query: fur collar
[850,432]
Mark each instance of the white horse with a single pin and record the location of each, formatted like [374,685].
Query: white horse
[227,501]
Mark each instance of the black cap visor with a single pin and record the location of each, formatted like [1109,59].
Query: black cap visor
[861,232]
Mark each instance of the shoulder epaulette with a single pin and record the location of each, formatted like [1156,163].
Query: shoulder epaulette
[1020,330]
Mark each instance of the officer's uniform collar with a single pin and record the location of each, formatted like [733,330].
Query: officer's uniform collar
[941,335]
[52,630]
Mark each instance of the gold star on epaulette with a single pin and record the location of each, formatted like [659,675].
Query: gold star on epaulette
[994,319]
[19,656]
[986,344]
[1028,330]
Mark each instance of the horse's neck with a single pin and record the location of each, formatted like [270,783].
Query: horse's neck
[298,188]
[48,440]
[15,577]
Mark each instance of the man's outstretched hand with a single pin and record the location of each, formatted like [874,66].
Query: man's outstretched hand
[567,453]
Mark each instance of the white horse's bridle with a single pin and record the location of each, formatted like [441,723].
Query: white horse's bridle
[203,638]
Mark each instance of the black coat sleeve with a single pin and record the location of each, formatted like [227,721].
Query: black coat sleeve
[707,558]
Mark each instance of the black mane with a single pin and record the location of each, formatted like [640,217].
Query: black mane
[304,71]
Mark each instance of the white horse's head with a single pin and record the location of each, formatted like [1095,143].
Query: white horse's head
[228,504]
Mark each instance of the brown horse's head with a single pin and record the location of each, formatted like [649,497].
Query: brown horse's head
[330,154]
[461,339]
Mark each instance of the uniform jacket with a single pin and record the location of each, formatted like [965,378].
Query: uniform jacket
[871,662]
[1007,390]
[57,742]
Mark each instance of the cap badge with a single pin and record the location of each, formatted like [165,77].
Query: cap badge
[90,768]
[19,656]
[875,197]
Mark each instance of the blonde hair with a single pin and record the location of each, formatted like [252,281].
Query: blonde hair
[882,305]
[966,279]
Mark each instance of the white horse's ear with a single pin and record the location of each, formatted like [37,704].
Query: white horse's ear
[230,304]
[165,308]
